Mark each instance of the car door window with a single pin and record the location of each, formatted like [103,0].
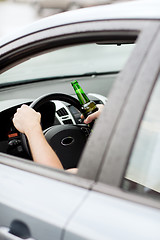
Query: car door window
[95,65]
[143,171]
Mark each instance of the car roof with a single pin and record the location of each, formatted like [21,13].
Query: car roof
[140,9]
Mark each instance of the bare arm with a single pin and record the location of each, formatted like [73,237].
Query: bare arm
[27,121]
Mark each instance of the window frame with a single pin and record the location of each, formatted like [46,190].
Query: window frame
[108,121]
[118,152]
[62,36]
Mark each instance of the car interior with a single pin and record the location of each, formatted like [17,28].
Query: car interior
[48,76]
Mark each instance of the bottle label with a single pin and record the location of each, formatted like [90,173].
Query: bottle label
[89,108]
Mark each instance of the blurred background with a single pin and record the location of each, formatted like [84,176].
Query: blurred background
[15,14]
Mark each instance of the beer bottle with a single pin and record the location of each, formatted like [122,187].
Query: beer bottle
[87,106]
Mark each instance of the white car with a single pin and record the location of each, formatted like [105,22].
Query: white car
[113,51]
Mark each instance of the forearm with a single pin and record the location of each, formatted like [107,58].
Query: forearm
[41,151]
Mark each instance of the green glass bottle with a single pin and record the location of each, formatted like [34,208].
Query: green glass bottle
[88,106]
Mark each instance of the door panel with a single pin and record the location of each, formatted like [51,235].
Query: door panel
[43,204]
[106,217]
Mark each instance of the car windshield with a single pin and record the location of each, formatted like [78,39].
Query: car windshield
[87,59]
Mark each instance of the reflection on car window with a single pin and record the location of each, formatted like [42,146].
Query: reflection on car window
[143,172]
[76,60]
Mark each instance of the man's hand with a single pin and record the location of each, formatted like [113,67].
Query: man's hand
[94,115]
[26,119]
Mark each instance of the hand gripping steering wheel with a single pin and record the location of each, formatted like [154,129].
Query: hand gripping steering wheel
[66,140]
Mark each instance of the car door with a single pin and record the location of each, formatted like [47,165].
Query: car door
[32,203]
[39,200]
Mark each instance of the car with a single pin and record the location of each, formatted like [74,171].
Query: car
[113,51]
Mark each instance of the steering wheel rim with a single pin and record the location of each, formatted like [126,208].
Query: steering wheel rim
[78,133]
[55,96]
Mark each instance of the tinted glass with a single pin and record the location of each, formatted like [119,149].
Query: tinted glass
[143,171]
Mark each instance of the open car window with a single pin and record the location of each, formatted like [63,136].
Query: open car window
[143,171]
[95,65]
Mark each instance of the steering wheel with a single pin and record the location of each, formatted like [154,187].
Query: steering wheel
[66,140]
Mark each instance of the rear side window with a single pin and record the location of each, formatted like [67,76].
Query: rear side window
[143,172]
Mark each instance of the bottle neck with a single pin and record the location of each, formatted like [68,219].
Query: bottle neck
[83,99]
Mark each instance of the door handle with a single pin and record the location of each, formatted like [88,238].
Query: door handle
[6,235]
